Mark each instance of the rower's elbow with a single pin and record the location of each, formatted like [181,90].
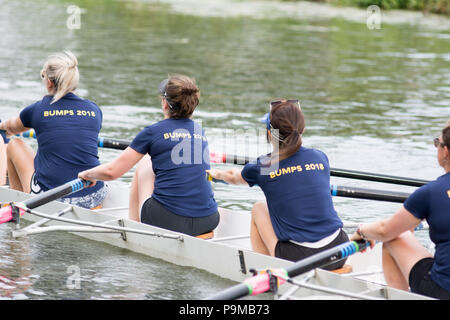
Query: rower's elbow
[385,231]
[110,173]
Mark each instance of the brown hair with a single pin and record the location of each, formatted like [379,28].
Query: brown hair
[446,136]
[183,96]
[288,118]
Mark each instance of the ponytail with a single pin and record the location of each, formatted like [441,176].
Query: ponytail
[61,69]
[287,124]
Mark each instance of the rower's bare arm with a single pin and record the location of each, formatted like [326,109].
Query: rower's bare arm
[232,176]
[13,126]
[389,228]
[115,169]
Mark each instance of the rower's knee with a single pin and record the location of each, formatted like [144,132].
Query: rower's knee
[259,208]
[14,147]
[260,213]
[402,238]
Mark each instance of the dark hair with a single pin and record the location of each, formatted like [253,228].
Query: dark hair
[446,136]
[183,96]
[288,118]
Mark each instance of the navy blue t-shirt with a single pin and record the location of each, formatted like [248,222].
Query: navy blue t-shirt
[180,155]
[298,195]
[67,135]
[432,202]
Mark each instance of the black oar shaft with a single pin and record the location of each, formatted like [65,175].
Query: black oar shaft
[242,160]
[351,174]
[235,292]
[113,143]
[56,193]
[369,194]
[315,261]
[12,213]
[325,257]
[377,177]
[354,192]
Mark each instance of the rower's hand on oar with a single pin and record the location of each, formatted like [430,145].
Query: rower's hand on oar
[84,175]
[215,174]
[356,237]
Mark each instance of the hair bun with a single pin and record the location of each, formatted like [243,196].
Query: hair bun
[189,91]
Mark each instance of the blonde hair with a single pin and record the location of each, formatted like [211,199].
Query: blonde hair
[61,68]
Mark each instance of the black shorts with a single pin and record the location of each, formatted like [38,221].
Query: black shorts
[294,252]
[155,214]
[421,283]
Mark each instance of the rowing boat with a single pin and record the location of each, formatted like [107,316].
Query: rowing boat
[227,254]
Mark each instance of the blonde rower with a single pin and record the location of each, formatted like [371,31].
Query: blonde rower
[66,127]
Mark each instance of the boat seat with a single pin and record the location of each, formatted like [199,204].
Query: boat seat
[206,236]
[346,268]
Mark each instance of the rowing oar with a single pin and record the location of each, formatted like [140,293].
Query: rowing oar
[271,279]
[226,158]
[102,142]
[12,212]
[351,174]
[354,192]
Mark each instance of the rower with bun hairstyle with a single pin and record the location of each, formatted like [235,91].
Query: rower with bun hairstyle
[66,128]
[169,189]
[298,218]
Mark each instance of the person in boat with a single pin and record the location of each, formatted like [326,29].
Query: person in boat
[66,128]
[169,189]
[3,163]
[298,218]
[406,263]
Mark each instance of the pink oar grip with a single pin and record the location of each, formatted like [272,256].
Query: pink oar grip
[215,157]
[261,282]
[5,214]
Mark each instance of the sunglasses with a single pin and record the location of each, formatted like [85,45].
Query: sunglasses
[438,143]
[42,74]
[276,103]
[165,96]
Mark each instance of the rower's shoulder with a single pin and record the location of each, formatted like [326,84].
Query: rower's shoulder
[312,151]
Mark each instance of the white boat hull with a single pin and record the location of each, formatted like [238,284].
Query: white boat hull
[227,255]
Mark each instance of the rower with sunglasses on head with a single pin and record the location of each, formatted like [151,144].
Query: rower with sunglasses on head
[169,189]
[298,218]
[66,127]
[406,263]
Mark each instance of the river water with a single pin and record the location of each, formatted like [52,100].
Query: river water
[373,99]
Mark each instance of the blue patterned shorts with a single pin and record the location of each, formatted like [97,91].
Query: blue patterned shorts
[88,201]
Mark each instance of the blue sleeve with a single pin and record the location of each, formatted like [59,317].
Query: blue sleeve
[100,113]
[142,142]
[418,203]
[26,115]
[251,173]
